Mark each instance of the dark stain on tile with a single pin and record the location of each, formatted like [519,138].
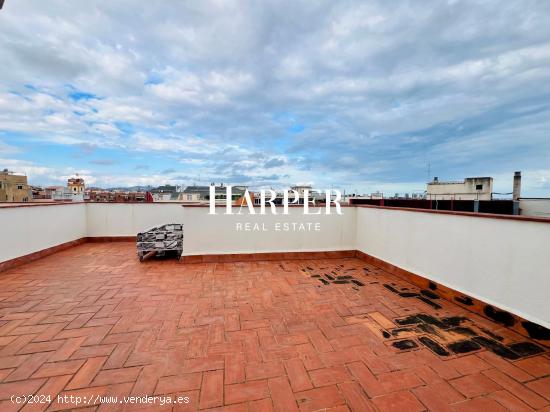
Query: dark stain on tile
[405,344]
[433,346]
[427,328]
[526,348]
[499,316]
[412,295]
[429,302]
[465,300]
[429,294]
[496,347]
[391,288]
[463,331]
[409,320]
[397,331]
[453,321]
[536,331]
[464,346]
[491,334]
[408,294]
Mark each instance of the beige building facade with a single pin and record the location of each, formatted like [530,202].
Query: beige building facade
[14,188]
[76,186]
[472,188]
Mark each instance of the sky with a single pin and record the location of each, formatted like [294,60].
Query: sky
[356,95]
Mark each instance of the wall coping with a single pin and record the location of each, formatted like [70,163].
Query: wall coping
[456,213]
[8,205]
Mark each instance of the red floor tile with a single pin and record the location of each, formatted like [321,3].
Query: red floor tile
[398,401]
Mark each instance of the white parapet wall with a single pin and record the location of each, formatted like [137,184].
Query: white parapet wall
[36,228]
[225,234]
[28,229]
[535,207]
[128,219]
[504,262]
[222,233]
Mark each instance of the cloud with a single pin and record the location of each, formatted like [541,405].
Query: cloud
[25,167]
[363,95]
[45,175]
[103,162]
[275,162]
[6,149]
[86,148]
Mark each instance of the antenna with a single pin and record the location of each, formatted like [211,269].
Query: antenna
[429,170]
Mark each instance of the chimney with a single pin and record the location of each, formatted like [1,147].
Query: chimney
[516,191]
[436,179]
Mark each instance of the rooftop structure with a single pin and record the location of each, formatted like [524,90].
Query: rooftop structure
[376,311]
[76,185]
[472,188]
[454,196]
[73,192]
[14,187]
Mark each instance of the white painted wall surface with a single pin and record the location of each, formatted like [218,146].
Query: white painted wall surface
[500,261]
[25,230]
[216,234]
[535,207]
[127,219]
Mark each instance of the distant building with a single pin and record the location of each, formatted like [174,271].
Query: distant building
[55,192]
[165,193]
[14,188]
[39,193]
[106,196]
[192,197]
[73,192]
[355,198]
[472,188]
[76,186]
[301,189]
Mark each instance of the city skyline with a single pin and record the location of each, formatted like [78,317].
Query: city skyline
[334,95]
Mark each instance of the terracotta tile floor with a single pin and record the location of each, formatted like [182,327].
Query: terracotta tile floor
[93,322]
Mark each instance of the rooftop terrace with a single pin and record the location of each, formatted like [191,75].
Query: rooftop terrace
[383,310]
